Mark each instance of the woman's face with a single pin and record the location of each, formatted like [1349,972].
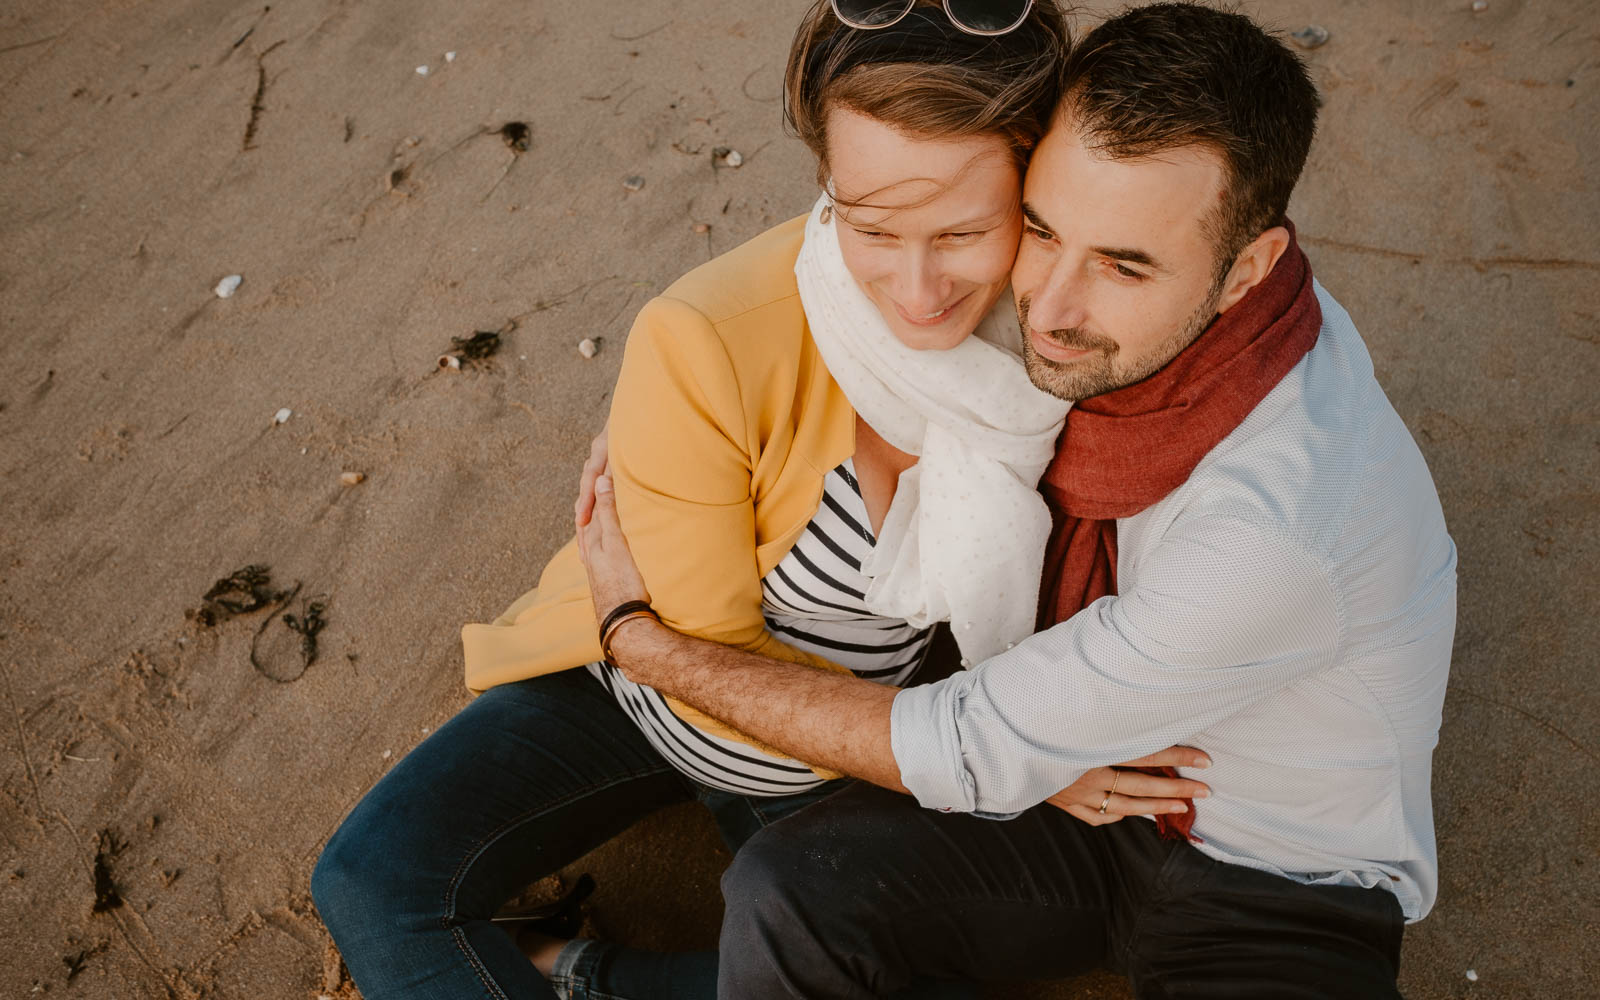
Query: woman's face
[934,245]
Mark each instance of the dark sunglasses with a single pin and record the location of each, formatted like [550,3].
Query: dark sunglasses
[975,17]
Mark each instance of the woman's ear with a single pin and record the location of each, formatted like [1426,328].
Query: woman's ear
[1252,266]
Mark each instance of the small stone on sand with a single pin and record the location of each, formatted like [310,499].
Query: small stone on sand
[734,158]
[1312,36]
[351,478]
[422,71]
[449,57]
[588,348]
[1472,974]
[702,227]
[227,286]
[633,183]
[450,361]
[1479,6]
[282,416]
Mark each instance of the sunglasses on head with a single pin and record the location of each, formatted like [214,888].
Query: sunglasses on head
[975,17]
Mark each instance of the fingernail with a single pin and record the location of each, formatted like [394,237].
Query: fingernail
[1179,808]
[1202,793]
[1202,762]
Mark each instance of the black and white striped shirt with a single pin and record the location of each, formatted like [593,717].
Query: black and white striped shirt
[813,600]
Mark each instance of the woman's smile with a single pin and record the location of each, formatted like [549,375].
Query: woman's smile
[930,319]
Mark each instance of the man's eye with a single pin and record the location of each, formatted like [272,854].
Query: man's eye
[1037,233]
[1128,272]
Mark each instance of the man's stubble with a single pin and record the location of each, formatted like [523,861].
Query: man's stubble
[1100,373]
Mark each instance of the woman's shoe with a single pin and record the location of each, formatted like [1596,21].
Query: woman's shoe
[560,919]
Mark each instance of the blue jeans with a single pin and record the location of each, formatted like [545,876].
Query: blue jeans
[524,780]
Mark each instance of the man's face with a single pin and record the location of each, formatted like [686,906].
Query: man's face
[1116,274]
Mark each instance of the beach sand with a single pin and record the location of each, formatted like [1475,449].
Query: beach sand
[166,784]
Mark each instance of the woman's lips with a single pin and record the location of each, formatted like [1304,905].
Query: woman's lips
[935,319]
[1053,351]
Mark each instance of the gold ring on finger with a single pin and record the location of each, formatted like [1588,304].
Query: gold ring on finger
[1116,776]
[1105,802]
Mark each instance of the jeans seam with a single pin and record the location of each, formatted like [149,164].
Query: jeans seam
[483,845]
[490,987]
[505,828]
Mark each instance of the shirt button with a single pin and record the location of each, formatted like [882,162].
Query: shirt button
[966,662]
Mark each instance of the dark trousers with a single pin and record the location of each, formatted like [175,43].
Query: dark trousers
[522,781]
[852,896]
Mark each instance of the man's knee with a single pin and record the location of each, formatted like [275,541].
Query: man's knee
[792,917]
[783,871]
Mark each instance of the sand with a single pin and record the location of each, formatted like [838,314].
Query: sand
[163,795]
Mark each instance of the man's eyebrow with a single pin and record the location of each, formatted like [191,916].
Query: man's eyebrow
[1127,255]
[1032,215]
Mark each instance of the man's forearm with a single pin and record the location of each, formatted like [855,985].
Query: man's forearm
[827,719]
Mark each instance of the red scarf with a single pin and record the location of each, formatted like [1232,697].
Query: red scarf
[1125,450]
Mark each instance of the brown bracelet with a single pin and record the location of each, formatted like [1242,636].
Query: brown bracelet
[626,611]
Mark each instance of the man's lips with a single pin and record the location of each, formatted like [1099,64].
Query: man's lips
[935,319]
[1052,350]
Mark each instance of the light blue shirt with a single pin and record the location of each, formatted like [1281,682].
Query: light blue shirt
[1289,610]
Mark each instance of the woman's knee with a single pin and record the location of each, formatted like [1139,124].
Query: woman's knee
[345,884]
[385,859]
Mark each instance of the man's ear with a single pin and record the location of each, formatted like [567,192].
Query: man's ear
[1252,266]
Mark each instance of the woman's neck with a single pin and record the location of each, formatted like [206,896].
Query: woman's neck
[878,466]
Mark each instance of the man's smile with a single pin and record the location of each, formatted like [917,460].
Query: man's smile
[1053,350]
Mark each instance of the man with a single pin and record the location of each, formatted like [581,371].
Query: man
[1248,557]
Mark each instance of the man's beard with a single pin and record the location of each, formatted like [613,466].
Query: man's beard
[1100,373]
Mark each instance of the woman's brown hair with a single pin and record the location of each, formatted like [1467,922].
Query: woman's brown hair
[926,78]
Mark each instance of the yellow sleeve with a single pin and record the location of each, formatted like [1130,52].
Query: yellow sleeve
[681,452]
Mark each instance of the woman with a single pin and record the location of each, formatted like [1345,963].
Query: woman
[816,459]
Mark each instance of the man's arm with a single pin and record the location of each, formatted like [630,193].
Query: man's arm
[827,719]
[830,719]
[1224,612]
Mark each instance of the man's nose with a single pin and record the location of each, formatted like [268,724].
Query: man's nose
[1060,300]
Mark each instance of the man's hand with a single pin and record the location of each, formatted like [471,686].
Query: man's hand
[592,470]
[1136,794]
[613,577]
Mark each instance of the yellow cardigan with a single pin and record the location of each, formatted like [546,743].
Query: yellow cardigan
[723,425]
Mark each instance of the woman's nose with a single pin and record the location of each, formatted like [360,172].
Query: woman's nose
[923,287]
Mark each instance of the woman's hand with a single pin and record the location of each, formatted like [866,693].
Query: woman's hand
[1136,794]
[613,577]
[592,470]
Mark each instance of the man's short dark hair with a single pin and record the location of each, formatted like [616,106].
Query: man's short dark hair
[1179,74]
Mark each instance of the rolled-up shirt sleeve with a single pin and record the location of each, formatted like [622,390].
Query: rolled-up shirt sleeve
[1225,610]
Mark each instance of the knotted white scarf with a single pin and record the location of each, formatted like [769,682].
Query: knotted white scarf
[964,538]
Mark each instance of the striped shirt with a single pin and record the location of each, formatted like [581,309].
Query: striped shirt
[814,601]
